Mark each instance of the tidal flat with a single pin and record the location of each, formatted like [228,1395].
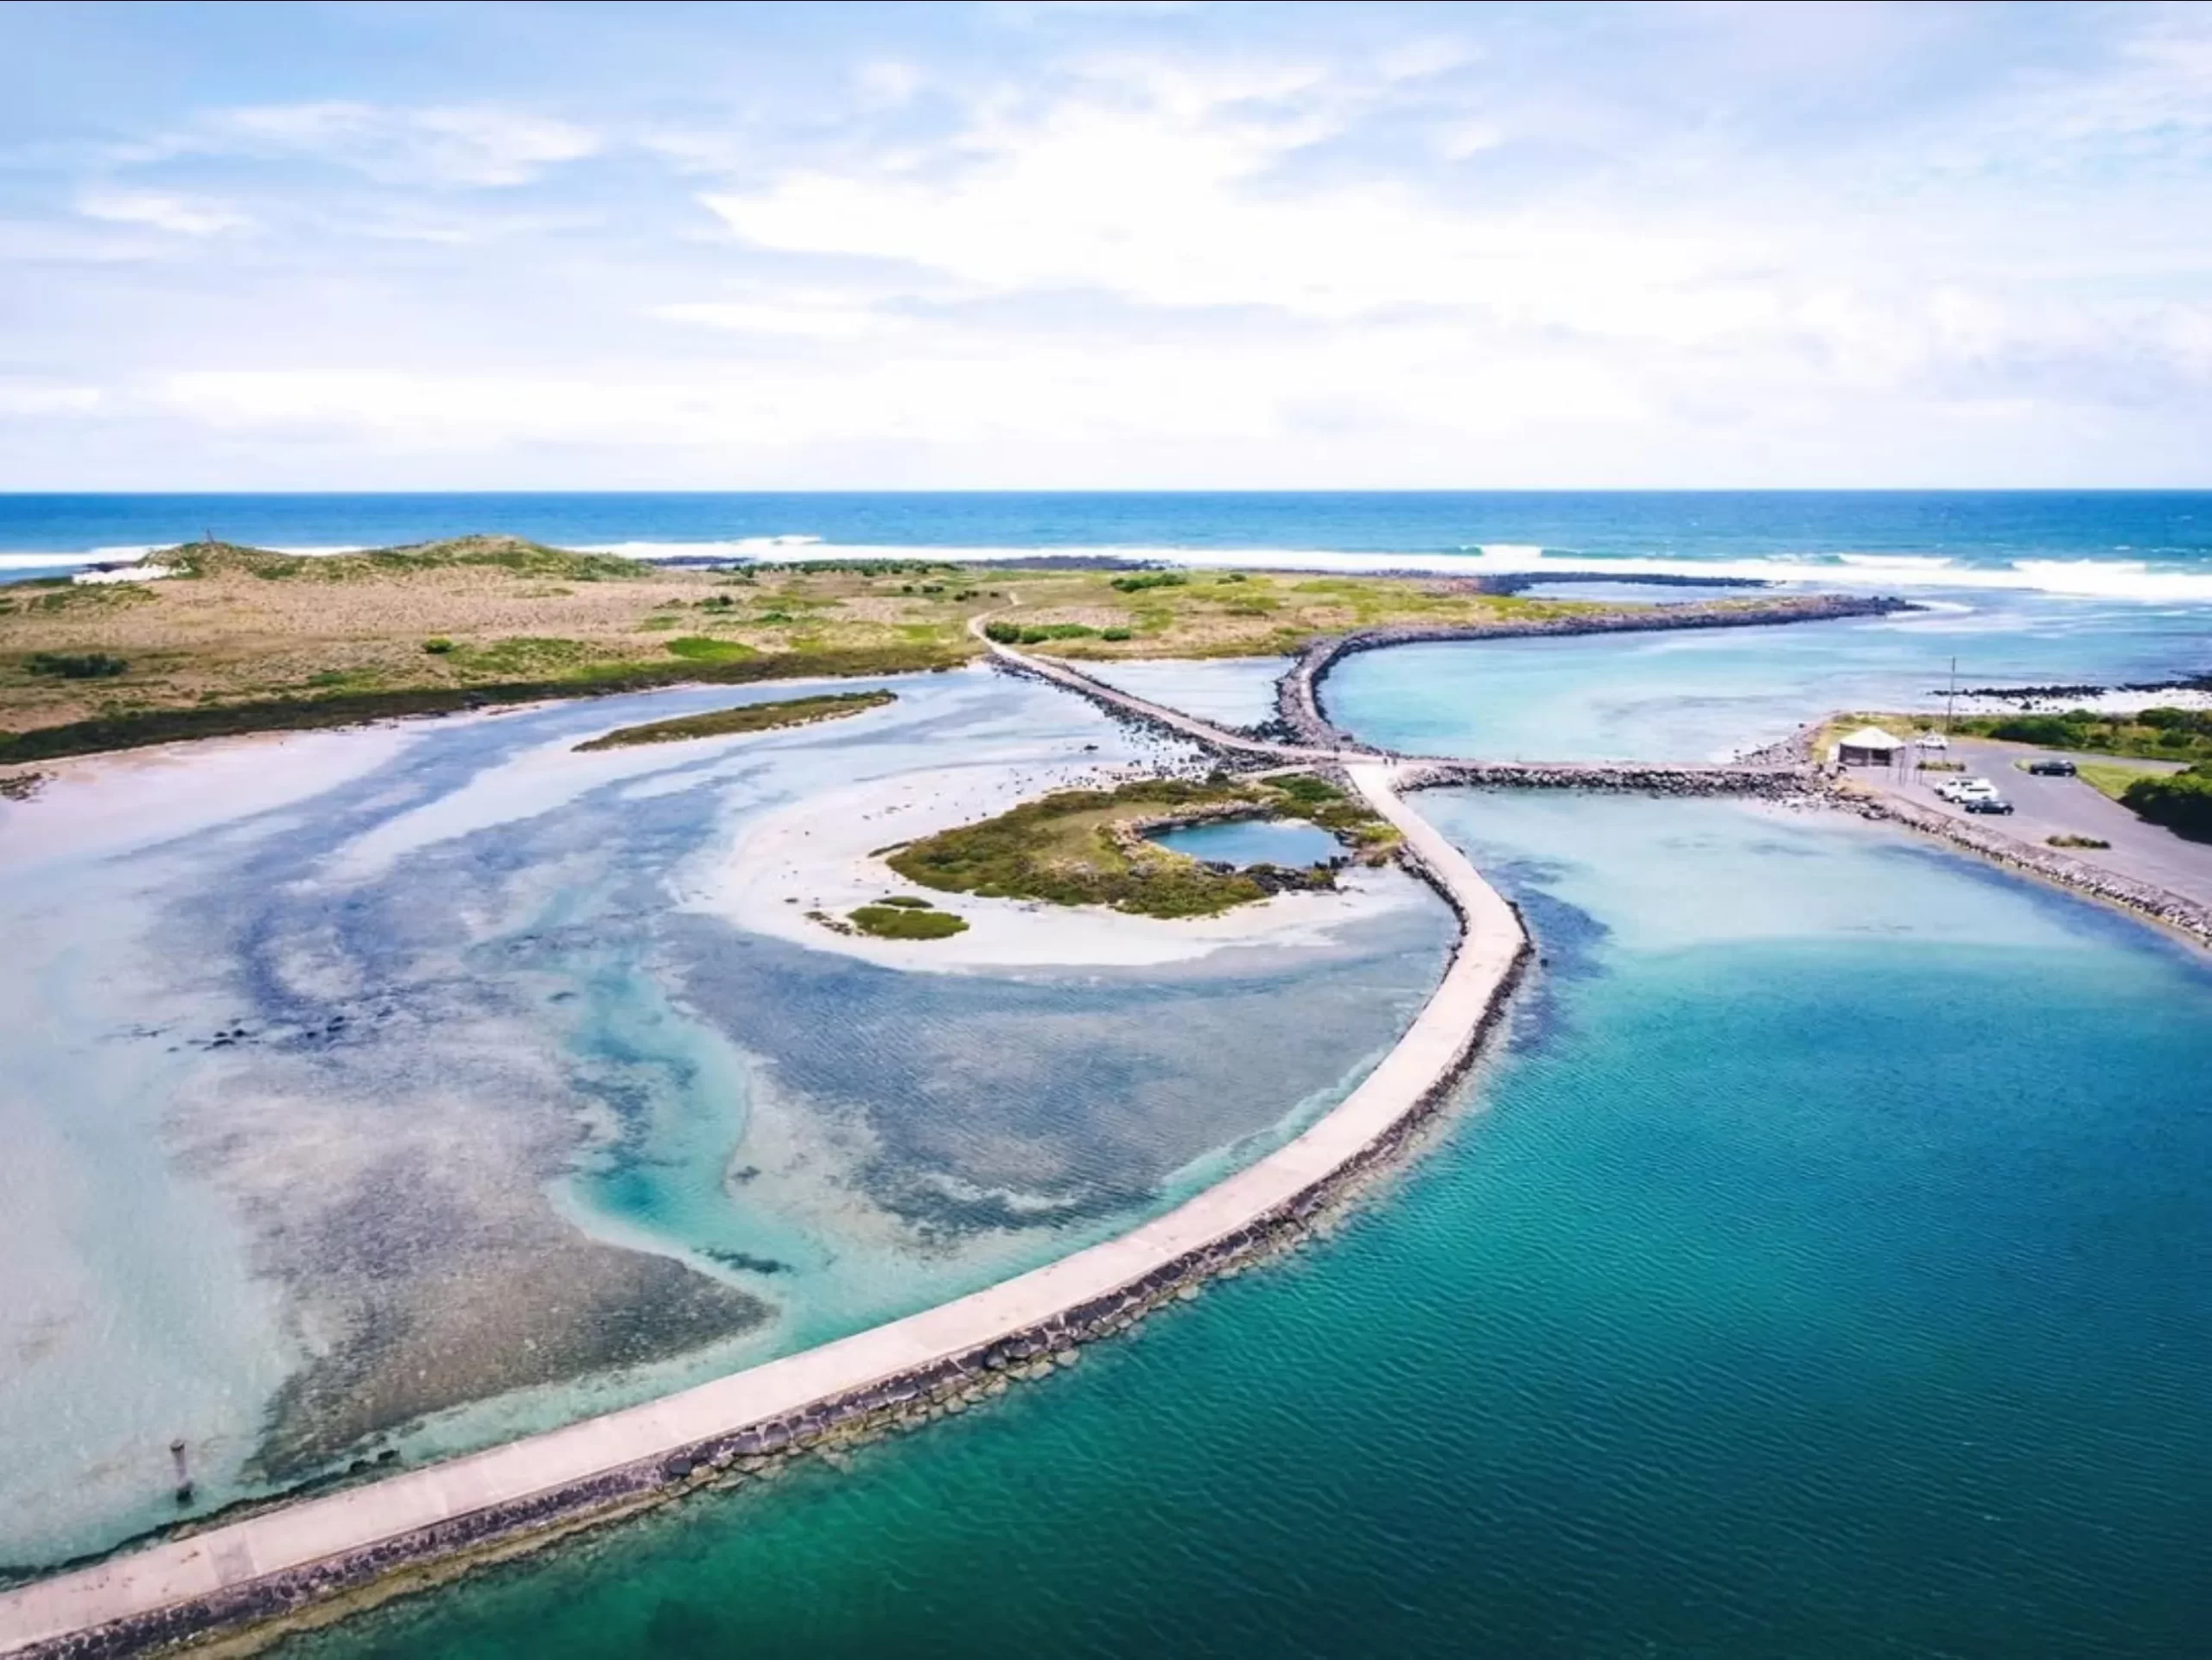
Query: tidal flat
[414,1103]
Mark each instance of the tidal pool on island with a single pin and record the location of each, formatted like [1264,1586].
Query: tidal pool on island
[407,1089]
[1250,841]
[1821,1279]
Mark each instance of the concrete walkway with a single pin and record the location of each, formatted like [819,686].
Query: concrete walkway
[376,1522]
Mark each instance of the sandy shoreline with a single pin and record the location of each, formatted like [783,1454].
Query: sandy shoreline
[821,854]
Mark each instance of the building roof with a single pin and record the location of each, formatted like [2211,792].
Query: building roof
[1870,737]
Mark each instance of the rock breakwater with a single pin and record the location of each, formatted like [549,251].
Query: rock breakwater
[2184,916]
[1770,782]
[1298,701]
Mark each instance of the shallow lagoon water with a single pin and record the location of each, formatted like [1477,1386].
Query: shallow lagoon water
[409,1108]
[1254,840]
[1235,691]
[1704,695]
[1823,1277]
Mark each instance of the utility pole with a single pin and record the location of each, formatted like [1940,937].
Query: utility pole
[1950,697]
[183,1475]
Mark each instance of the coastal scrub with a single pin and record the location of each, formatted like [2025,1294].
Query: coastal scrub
[747,717]
[895,920]
[1088,846]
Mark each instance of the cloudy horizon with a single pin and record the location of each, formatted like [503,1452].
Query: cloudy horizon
[1106,246]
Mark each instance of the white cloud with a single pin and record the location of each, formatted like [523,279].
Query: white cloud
[793,315]
[1664,245]
[38,397]
[182,215]
[454,145]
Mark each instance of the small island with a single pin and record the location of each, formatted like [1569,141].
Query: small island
[1091,847]
[905,916]
[747,717]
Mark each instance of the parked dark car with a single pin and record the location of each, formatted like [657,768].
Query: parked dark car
[2051,767]
[1987,803]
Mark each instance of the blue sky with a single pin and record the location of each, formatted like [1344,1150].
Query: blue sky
[1097,245]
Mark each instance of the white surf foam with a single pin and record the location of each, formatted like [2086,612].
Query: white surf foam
[2084,578]
[2103,579]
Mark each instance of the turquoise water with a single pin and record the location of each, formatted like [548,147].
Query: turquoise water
[446,1097]
[1251,842]
[1703,695]
[1824,1276]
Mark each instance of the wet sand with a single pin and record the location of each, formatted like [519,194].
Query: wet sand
[344,1525]
[823,854]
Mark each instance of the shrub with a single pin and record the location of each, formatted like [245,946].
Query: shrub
[901,922]
[2181,802]
[2077,840]
[76,665]
[1143,580]
[1115,634]
[910,902]
[437,648]
[2052,731]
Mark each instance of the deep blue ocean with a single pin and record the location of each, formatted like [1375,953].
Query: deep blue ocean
[2145,544]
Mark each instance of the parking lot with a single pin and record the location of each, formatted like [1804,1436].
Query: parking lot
[2043,807]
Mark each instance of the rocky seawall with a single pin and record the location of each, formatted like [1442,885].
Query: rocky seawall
[2183,915]
[1298,699]
[1773,783]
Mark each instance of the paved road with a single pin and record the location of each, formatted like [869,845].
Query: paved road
[2063,806]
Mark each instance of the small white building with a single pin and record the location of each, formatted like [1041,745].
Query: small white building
[1868,746]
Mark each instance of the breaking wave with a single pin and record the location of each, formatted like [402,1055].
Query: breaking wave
[2094,578]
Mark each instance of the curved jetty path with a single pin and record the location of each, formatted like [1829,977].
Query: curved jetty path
[286,1560]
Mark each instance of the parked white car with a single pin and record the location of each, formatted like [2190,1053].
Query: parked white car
[1931,741]
[1963,790]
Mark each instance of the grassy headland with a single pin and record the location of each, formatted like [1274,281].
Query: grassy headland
[1087,847]
[244,639]
[749,717]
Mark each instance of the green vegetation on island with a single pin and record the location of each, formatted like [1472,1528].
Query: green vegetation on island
[1088,847]
[902,918]
[747,717]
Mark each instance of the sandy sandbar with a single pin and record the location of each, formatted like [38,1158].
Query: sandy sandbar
[824,853]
